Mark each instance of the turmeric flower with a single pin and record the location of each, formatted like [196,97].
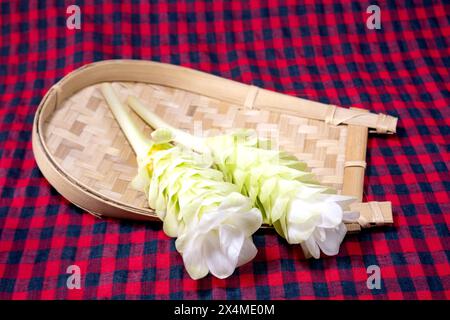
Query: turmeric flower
[289,198]
[212,221]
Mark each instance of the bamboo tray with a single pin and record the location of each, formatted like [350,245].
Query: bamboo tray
[82,152]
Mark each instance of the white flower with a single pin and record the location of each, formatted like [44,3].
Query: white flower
[290,198]
[317,223]
[220,240]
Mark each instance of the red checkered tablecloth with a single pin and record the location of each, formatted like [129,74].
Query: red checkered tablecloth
[319,50]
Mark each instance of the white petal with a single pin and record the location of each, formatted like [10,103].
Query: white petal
[301,211]
[301,221]
[321,234]
[312,247]
[307,191]
[231,240]
[248,251]
[247,222]
[331,215]
[330,245]
[193,260]
[298,232]
[235,202]
[209,221]
[216,260]
[343,201]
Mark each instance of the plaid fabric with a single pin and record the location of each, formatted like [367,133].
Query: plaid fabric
[320,50]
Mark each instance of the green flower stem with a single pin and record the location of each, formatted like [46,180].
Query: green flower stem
[185,139]
[135,137]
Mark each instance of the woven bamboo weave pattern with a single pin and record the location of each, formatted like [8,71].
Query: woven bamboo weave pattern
[87,143]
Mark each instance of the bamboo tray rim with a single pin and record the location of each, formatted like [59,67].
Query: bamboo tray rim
[249,96]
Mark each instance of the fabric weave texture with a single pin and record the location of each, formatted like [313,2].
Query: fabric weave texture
[318,50]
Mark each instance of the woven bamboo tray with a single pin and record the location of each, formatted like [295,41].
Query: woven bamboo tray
[82,152]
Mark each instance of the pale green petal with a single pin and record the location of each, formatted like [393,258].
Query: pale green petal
[170,224]
[279,207]
[162,135]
